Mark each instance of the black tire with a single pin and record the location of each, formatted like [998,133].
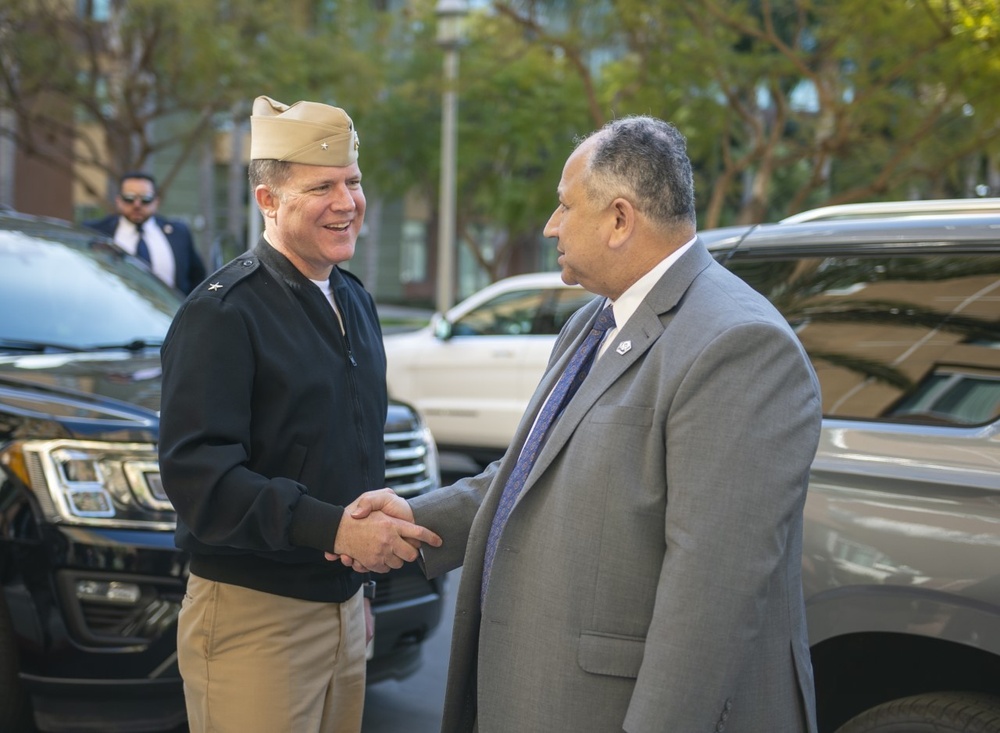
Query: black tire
[15,710]
[938,712]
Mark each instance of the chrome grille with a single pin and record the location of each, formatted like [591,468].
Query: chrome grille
[409,468]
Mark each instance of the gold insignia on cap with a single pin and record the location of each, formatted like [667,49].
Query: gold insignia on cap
[291,133]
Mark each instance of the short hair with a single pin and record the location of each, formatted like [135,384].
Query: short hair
[137,174]
[269,172]
[645,159]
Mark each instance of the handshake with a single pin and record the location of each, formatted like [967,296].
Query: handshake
[377,534]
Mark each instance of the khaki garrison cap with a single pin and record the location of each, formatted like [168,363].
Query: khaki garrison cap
[305,132]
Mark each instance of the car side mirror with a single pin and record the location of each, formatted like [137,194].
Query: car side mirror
[442,327]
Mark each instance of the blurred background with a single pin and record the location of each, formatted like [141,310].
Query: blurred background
[467,110]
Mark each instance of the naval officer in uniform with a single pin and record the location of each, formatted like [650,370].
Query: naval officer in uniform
[273,414]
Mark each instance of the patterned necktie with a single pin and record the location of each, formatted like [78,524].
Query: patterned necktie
[141,249]
[565,388]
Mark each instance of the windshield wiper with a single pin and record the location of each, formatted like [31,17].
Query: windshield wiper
[36,347]
[44,347]
[133,345]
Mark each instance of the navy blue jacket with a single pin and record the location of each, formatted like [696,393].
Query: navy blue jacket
[272,420]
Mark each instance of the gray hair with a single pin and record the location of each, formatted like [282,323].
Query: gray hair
[268,172]
[644,159]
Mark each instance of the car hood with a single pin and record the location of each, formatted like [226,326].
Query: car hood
[103,395]
[405,338]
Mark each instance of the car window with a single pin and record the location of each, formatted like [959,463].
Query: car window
[902,338]
[536,311]
[77,292]
[557,307]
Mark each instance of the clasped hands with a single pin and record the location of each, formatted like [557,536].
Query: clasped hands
[377,533]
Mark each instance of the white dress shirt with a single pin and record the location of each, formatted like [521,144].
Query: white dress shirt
[628,302]
[161,254]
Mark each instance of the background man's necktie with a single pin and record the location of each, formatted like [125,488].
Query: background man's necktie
[565,388]
[141,249]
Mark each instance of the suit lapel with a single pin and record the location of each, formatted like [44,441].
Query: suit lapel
[643,329]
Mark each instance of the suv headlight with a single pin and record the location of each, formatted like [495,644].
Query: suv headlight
[93,483]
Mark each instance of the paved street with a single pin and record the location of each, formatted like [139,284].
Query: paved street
[414,705]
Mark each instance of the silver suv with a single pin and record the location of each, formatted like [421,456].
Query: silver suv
[901,566]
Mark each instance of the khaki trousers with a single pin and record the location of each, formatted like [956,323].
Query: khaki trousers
[254,662]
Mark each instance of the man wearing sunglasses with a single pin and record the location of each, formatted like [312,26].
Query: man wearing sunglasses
[166,245]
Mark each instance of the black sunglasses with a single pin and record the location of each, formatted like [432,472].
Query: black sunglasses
[131,198]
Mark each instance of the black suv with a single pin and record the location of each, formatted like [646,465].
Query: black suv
[91,579]
[901,564]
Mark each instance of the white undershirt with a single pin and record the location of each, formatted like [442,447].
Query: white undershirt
[324,287]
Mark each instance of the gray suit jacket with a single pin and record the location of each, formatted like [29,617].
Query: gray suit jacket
[648,579]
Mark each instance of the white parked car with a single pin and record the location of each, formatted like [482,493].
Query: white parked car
[472,371]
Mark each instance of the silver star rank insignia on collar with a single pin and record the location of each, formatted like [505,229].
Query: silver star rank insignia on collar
[324,146]
[215,286]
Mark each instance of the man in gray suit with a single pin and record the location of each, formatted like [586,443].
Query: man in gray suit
[647,577]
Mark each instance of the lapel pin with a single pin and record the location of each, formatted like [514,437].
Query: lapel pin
[624,347]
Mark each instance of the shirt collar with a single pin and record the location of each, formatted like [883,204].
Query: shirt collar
[628,302]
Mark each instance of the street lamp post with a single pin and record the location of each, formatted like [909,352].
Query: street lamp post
[451,18]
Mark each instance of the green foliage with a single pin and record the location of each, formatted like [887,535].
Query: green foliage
[397,107]
[521,108]
[793,103]
[785,103]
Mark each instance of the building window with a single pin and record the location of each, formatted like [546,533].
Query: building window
[413,252]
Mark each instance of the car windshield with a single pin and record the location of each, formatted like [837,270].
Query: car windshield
[62,289]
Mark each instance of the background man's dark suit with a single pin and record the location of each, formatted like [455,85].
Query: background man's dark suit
[190,270]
